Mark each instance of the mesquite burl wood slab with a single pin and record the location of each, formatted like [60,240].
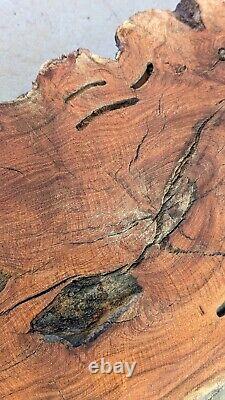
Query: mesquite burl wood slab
[112,217]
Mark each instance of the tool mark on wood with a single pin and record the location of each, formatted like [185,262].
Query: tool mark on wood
[144,78]
[82,89]
[104,109]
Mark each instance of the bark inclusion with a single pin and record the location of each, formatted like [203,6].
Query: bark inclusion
[86,307]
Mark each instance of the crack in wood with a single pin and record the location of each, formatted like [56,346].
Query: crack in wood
[13,169]
[35,296]
[175,208]
[132,225]
[177,250]
[138,149]
[179,194]
[189,152]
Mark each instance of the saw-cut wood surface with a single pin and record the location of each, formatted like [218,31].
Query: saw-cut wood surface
[112,218]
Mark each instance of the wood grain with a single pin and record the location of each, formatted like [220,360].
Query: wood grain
[112,219]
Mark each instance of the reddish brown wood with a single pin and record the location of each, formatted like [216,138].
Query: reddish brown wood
[111,167]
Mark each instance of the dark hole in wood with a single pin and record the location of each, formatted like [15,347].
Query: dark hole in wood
[221,53]
[82,89]
[180,69]
[104,109]
[144,78]
[221,310]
